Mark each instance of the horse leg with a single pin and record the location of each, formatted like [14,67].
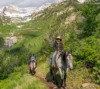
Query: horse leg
[67,70]
[34,71]
[54,75]
[34,67]
[65,75]
[53,72]
[30,71]
[61,75]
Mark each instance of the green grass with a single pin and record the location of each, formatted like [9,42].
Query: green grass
[75,77]
[21,80]
[5,30]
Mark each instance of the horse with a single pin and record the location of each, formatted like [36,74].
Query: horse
[63,62]
[32,66]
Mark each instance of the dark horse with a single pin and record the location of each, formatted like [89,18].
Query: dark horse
[63,62]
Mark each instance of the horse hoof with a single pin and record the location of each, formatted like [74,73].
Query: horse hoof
[64,87]
[55,88]
[59,86]
[54,82]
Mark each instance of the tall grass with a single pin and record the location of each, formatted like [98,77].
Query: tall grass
[20,79]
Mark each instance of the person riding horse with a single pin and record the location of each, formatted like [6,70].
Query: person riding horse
[32,63]
[57,46]
[61,61]
[31,58]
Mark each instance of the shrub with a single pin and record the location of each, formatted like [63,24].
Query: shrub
[89,54]
[89,10]
[1,42]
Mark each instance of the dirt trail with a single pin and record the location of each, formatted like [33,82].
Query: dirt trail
[50,85]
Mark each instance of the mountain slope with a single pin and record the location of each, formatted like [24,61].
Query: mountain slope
[37,36]
[14,14]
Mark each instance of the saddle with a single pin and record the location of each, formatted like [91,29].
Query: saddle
[60,53]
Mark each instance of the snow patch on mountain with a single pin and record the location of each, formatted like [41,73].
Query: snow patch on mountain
[14,11]
[17,14]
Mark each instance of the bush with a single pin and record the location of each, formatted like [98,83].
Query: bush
[89,54]
[90,11]
[1,42]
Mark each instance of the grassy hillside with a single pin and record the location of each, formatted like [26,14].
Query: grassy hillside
[78,24]
[20,79]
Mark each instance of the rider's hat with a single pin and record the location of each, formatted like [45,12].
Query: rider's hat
[58,38]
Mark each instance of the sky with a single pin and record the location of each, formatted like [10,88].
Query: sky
[25,3]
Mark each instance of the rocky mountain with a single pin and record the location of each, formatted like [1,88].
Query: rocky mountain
[14,14]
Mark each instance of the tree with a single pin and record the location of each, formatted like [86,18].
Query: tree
[1,42]
[90,11]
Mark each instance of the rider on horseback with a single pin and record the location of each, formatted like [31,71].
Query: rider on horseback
[31,58]
[58,46]
[32,63]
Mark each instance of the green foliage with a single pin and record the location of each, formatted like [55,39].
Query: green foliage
[1,42]
[88,51]
[21,80]
[89,54]
[38,36]
[96,72]
[98,25]
[90,11]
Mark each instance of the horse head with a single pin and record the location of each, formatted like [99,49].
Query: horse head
[69,60]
